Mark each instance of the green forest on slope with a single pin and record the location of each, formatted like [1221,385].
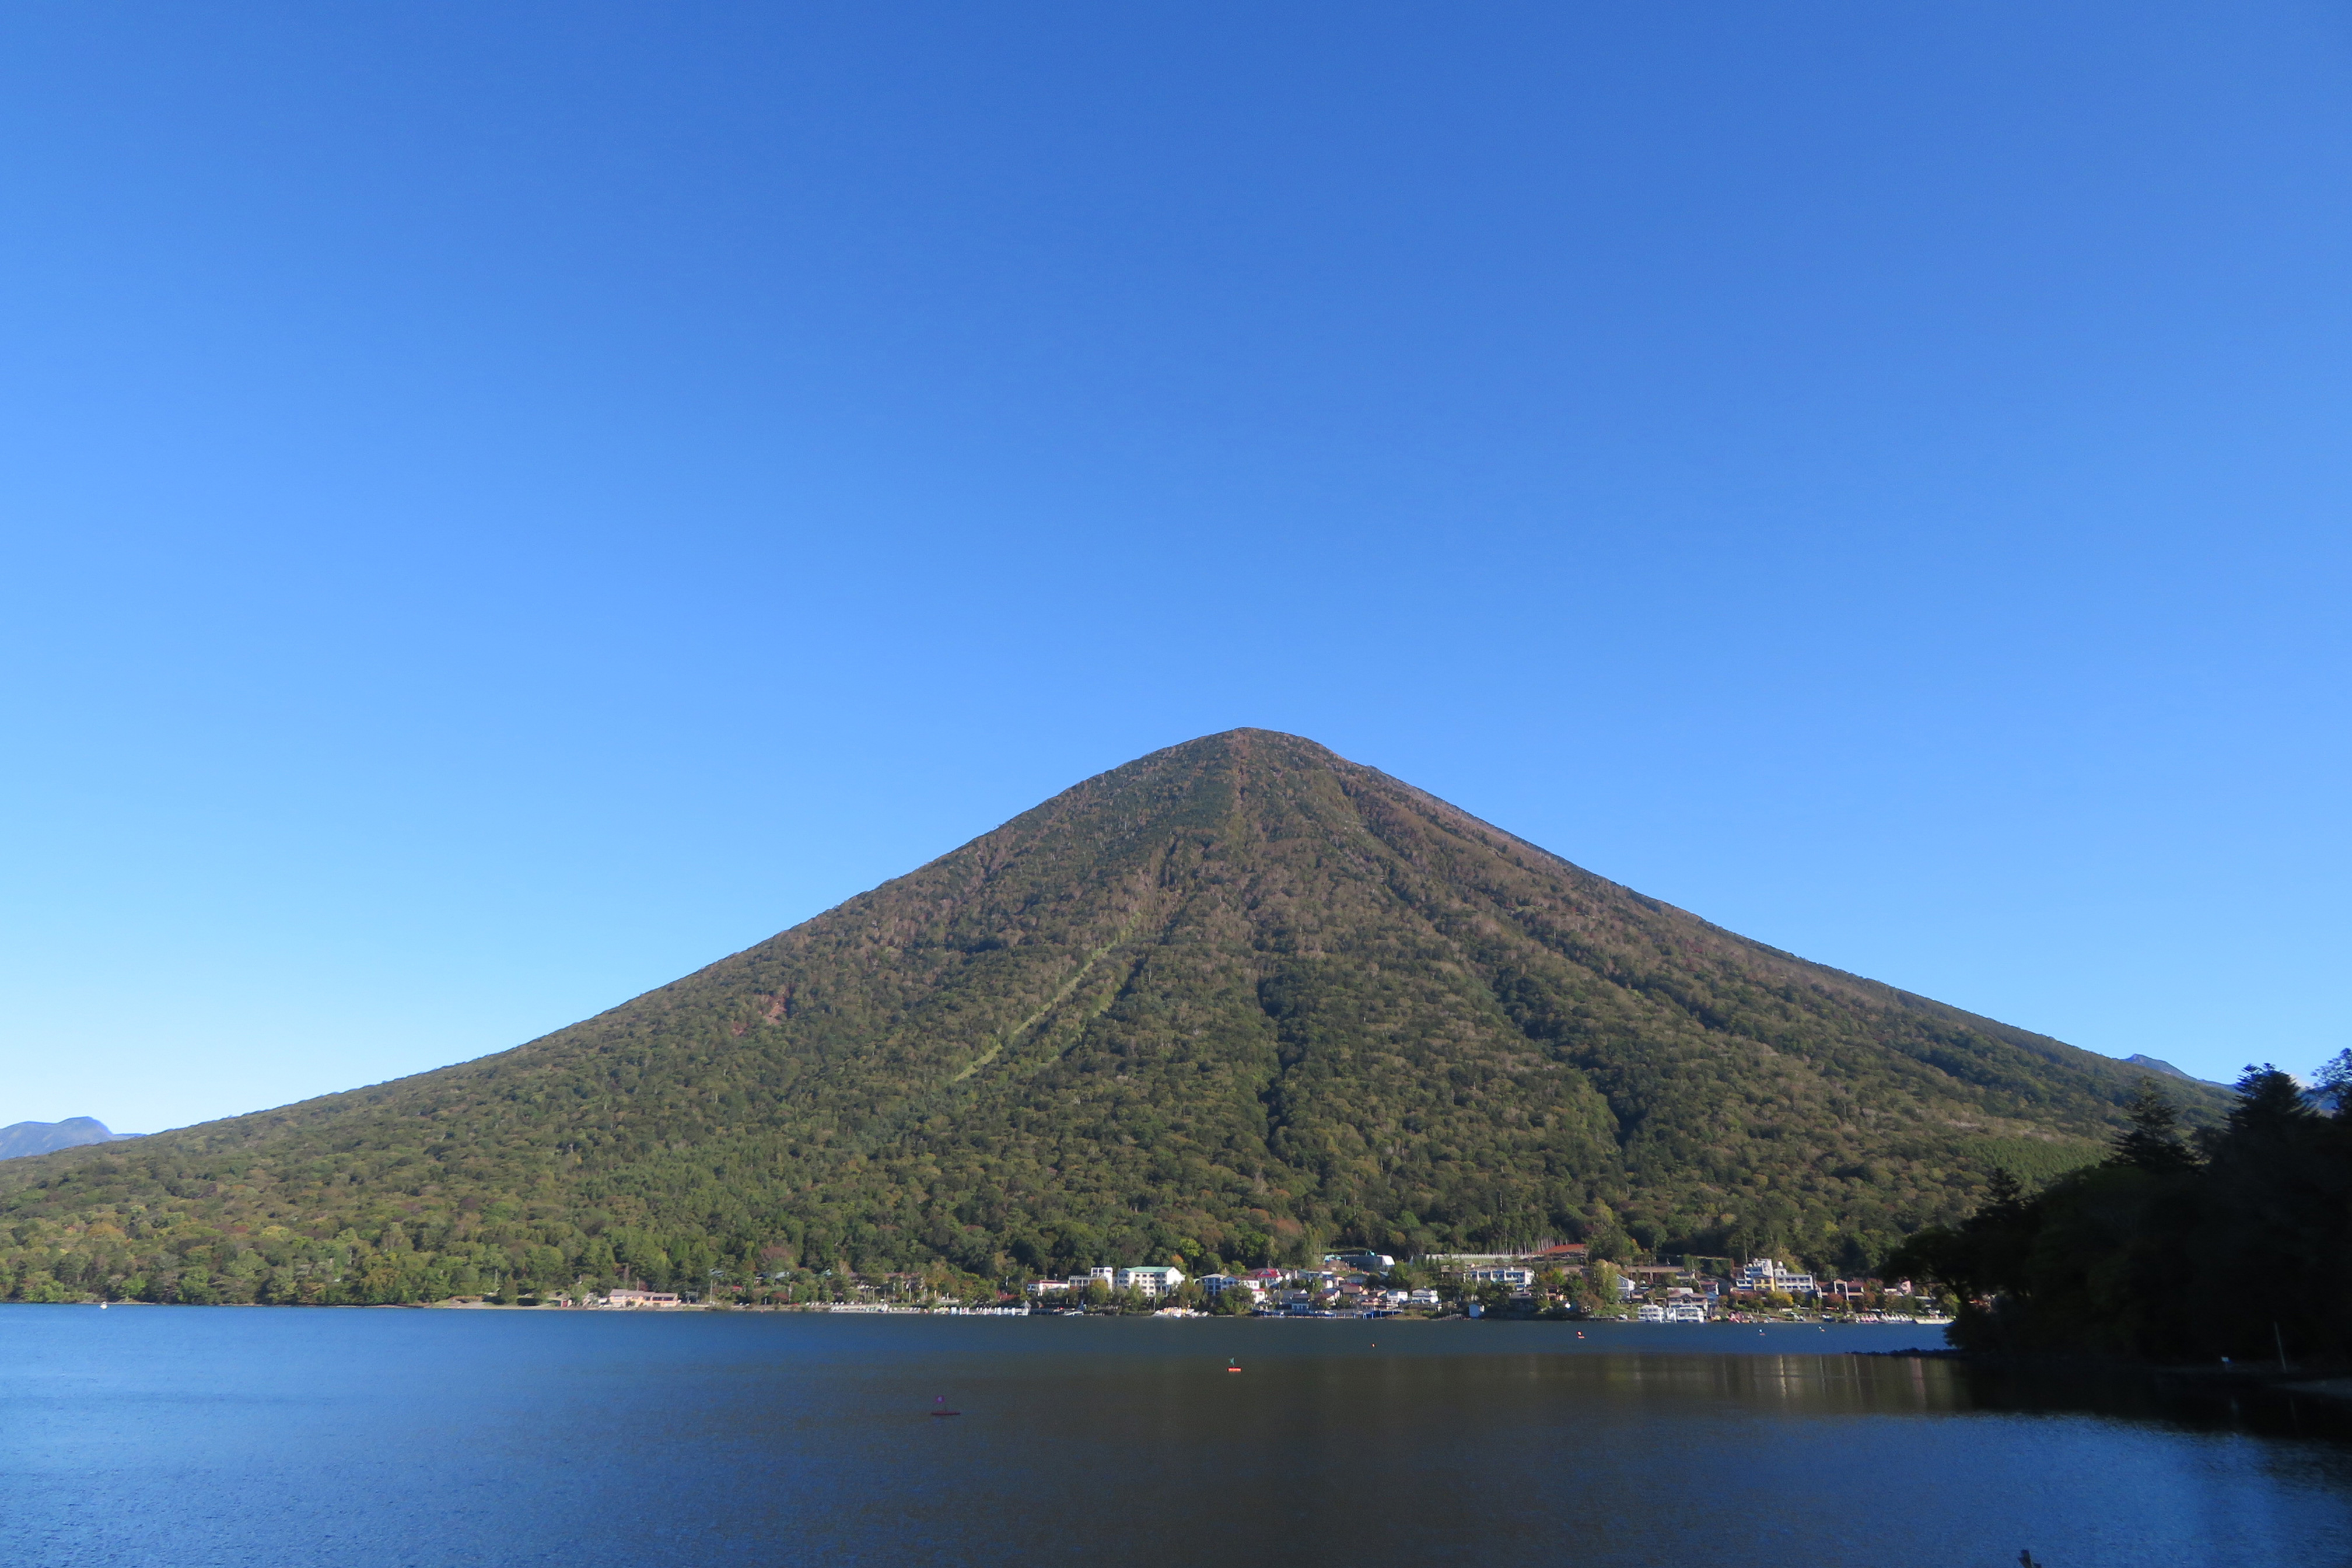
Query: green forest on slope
[1232,1002]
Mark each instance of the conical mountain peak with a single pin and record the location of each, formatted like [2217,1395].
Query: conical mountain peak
[1235,999]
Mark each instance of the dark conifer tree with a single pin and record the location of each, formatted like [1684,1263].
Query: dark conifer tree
[2152,1141]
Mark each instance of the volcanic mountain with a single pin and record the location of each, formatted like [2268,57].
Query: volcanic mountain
[1232,1000]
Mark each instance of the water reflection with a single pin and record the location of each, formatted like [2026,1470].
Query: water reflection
[202,1437]
[2211,1402]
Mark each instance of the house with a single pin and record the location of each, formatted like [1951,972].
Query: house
[1154,1279]
[1686,1312]
[623,1296]
[1218,1284]
[1422,1298]
[1650,1312]
[1042,1288]
[1568,1258]
[1369,1262]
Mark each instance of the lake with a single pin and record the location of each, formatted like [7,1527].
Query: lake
[195,1436]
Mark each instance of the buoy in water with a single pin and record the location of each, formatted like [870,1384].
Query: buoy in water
[1232,1365]
[942,1401]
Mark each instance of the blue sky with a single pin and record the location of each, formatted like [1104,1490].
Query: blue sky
[503,504]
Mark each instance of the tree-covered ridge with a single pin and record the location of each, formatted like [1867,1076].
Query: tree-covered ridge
[1233,1000]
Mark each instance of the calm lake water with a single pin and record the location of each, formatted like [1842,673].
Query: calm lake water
[195,1437]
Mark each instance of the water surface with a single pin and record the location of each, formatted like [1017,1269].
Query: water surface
[199,1436]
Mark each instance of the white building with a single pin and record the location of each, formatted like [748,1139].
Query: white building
[1055,1286]
[1771,1274]
[1514,1275]
[1153,1279]
[1218,1284]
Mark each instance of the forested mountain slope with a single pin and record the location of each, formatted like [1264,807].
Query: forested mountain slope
[1234,999]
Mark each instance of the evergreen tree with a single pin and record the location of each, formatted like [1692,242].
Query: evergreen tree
[2152,1141]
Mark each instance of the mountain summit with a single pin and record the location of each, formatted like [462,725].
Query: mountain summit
[1236,999]
[22,1138]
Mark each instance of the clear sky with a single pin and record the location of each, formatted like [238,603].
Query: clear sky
[504,504]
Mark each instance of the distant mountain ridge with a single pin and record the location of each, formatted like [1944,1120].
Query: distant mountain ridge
[2157,1065]
[22,1138]
[1234,1001]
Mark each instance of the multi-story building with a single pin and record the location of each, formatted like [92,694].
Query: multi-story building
[1153,1279]
[1771,1274]
[1516,1276]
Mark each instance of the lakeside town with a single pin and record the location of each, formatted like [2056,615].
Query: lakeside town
[1556,1282]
